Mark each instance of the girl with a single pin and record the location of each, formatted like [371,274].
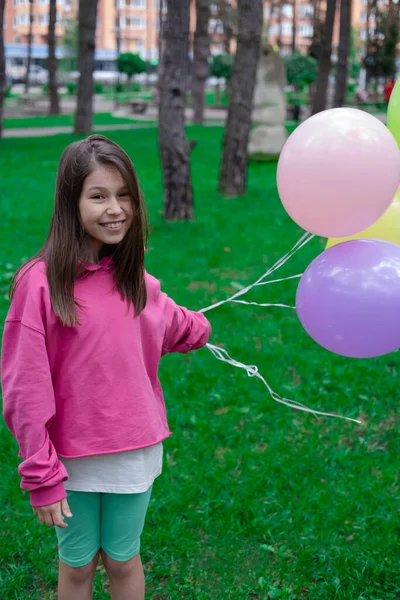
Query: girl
[82,342]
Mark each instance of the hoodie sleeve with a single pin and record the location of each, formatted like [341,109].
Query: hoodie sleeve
[28,394]
[185,329]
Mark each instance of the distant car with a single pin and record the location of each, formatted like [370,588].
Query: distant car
[38,75]
[101,76]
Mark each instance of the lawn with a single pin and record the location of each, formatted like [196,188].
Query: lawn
[257,501]
[63,121]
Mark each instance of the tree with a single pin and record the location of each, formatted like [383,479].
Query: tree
[87,41]
[343,53]
[380,59]
[300,70]
[226,16]
[315,47]
[174,148]
[30,39]
[201,52]
[131,64]
[221,68]
[233,173]
[294,26]
[52,60]
[324,70]
[2,64]
[70,42]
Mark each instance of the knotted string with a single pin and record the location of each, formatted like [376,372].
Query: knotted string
[252,370]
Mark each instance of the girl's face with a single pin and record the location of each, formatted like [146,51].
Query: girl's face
[105,208]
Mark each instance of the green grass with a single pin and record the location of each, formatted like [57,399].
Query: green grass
[63,121]
[256,501]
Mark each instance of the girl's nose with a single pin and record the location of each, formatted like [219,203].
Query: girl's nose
[115,207]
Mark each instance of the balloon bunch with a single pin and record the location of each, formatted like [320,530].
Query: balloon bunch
[338,175]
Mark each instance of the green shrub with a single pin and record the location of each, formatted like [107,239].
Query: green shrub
[72,88]
[98,87]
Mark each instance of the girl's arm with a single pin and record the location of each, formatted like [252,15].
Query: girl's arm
[28,393]
[29,407]
[185,329]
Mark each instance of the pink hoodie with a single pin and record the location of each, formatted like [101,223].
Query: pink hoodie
[90,389]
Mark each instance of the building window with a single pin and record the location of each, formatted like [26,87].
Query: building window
[306,30]
[216,26]
[287,28]
[306,10]
[274,29]
[43,19]
[287,10]
[22,19]
[132,23]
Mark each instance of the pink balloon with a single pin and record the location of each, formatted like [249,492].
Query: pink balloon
[338,172]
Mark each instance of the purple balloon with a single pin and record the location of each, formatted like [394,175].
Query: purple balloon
[348,299]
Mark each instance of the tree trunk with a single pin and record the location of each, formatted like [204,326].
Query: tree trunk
[52,60]
[87,41]
[225,17]
[118,50]
[324,70]
[217,99]
[174,148]
[343,54]
[280,15]
[201,51]
[233,172]
[30,37]
[2,64]
[294,25]
[160,31]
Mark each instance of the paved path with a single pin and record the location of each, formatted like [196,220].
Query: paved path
[45,131]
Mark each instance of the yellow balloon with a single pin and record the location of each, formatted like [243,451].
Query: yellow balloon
[393,114]
[387,228]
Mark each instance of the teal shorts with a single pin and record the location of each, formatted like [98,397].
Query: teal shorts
[112,522]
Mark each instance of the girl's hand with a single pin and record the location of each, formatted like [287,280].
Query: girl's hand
[53,513]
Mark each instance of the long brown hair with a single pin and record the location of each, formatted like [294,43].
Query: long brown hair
[66,242]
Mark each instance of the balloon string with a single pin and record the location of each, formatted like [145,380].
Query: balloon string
[252,370]
[307,237]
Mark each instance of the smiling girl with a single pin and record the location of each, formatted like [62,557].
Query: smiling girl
[82,342]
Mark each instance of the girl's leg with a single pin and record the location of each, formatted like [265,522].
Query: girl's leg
[78,547]
[126,578]
[76,582]
[122,521]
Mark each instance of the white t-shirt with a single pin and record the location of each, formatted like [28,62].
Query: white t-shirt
[129,472]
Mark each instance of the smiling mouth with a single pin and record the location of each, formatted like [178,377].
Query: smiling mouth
[113,225]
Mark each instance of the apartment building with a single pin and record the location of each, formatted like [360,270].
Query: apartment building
[139,26]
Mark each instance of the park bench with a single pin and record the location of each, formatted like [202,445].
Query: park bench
[139,106]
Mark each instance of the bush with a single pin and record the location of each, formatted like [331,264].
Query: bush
[72,88]
[131,64]
[136,87]
[119,87]
[98,88]
[45,89]
[7,92]
[221,66]
[300,70]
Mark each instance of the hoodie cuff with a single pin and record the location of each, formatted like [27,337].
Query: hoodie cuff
[48,495]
